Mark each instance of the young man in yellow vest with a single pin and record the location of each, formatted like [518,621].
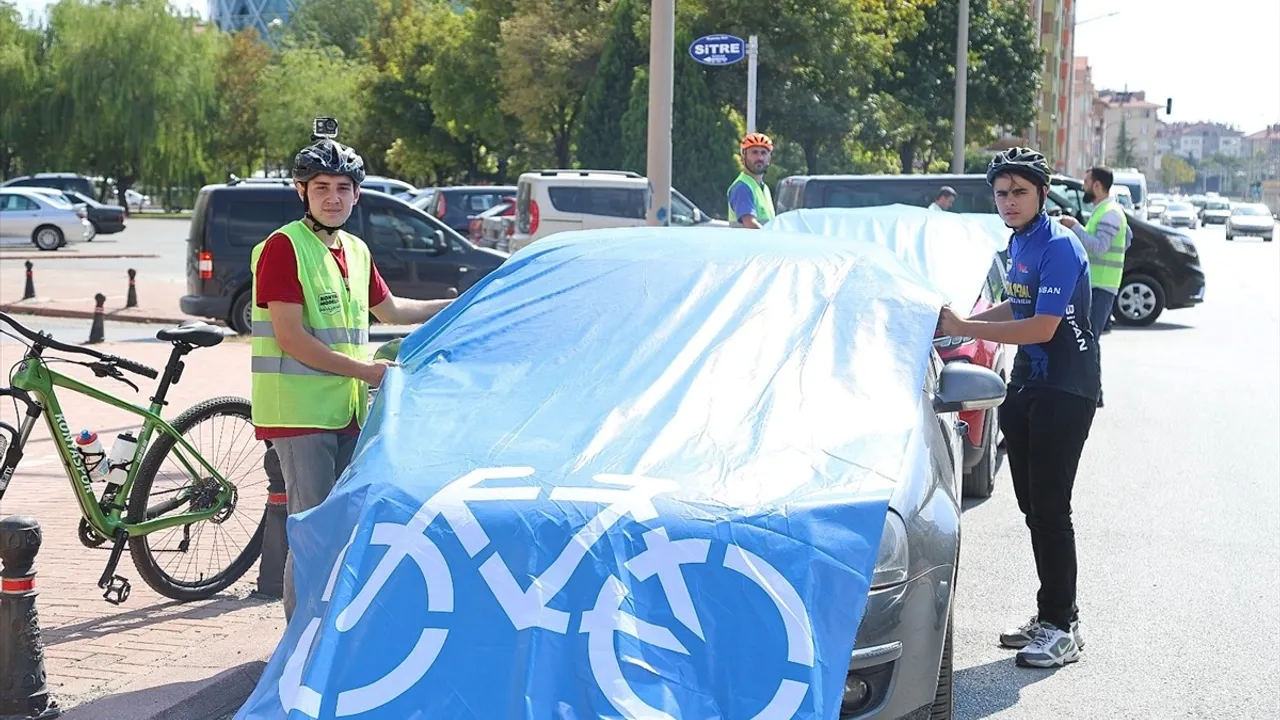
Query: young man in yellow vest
[314,286]
[750,202]
[1106,238]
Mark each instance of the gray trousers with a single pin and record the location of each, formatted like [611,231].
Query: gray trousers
[311,465]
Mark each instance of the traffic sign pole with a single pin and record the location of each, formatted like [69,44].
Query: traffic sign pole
[753,54]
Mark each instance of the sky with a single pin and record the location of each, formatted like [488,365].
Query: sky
[1219,61]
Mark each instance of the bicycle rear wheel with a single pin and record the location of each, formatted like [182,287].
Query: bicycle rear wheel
[231,541]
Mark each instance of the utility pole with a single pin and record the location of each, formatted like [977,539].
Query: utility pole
[962,86]
[662,39]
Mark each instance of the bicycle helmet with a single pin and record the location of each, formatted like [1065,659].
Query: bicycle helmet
[328,157]
[1020,160]
[757,140]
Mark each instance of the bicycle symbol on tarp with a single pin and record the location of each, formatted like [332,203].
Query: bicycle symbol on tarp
[620,496]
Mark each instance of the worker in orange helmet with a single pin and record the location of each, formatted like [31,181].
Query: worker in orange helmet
[750,202]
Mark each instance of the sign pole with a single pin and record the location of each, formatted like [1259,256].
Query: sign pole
[662,35]
[753,54]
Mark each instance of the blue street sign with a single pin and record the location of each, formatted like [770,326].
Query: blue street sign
[718,50]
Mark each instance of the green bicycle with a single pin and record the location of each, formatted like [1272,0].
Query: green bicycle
[135,511]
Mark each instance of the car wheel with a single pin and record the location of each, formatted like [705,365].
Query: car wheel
[980,481]
[1140,301]
[943,704]
[48,237]
[241,319]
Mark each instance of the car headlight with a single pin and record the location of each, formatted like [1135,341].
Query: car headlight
[1182,244]
[946,342]
[892,558]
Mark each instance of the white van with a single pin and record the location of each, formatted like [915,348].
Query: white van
[552,201]
[1137,184]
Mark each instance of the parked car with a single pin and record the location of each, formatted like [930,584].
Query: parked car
[948,250]
[475,230]
[390,186]
[59,180]
[1180,214]
[416,254]
[553,201]
[1156,203]
[27,215]
[106,219]
[1216,211]
[1251,219]
[705,395]
[1161,269]
[457,206]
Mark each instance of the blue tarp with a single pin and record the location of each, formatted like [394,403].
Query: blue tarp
[634,473]
[952,252]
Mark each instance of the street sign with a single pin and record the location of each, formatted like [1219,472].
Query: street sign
[718,50]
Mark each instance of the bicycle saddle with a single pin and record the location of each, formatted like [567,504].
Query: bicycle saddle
[192,332]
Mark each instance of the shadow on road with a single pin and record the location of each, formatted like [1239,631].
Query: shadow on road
[985,690]
[108,625]
[211,698]
[1151,327]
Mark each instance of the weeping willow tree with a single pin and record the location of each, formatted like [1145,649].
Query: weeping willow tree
[132,93]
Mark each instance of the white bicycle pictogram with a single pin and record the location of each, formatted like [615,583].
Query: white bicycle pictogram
[621,495]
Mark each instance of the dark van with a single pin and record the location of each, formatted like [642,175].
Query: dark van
[1161,269]
[416,254]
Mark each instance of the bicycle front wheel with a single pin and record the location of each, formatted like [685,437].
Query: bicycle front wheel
[195,561]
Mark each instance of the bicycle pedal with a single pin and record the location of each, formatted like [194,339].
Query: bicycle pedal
[117,590]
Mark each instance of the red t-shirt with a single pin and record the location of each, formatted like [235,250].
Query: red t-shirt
[278,282]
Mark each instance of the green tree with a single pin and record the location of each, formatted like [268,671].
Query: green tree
[133,88]
[549,52]
[1125,142]
[238,142]
[917,92]
[609,91]
[342,24]
[704,141]
[1175,171]
[20,86]
[305,83]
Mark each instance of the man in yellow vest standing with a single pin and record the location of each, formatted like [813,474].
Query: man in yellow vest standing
[750,202]
[1106,238]
[314,286]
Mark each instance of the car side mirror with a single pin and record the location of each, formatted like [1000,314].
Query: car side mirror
[1055,212]
[963,386]
[439,245]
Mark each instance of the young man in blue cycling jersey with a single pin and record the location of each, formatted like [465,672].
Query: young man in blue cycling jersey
[1053,392]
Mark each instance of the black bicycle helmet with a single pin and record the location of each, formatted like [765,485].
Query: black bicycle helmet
[1023,161]
[328,157]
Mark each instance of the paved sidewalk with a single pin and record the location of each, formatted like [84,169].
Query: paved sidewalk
[70,293]
[150,657]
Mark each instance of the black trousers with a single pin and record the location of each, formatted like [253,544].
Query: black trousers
[1045,431]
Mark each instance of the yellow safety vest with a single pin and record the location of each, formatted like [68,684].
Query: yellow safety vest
[288,393]
[1107,271]
[759,193]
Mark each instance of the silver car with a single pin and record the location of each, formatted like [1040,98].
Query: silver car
[1251,219]
[45,221]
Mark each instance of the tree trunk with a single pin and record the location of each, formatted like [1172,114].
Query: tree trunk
[811,157]
[503,162]
[907,155]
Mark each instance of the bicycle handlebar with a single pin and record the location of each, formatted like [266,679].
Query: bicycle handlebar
[48,341]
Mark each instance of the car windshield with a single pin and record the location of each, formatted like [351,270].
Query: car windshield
[1179,207]
[1124,200]
[1251,210]
[1135,190]
[58,200]
[1216,205]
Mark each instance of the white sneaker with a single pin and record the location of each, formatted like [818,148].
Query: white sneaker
[1025,634]
[1050,648]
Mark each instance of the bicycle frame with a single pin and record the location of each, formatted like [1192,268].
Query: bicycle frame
[35,377]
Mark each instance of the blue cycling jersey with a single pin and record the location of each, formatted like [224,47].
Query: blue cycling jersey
[1048,274]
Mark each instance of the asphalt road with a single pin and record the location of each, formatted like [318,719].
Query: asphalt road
[1177,514]
[153,236]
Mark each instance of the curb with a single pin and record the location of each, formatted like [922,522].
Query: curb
[19,309]
[58,256]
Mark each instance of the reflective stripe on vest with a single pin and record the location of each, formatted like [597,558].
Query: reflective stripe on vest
[760,195]
[286,391]
[1107,271]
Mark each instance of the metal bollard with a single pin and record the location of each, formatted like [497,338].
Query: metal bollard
[24,694]
[29,292]
[132,300]
[274,541]
[98,333]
